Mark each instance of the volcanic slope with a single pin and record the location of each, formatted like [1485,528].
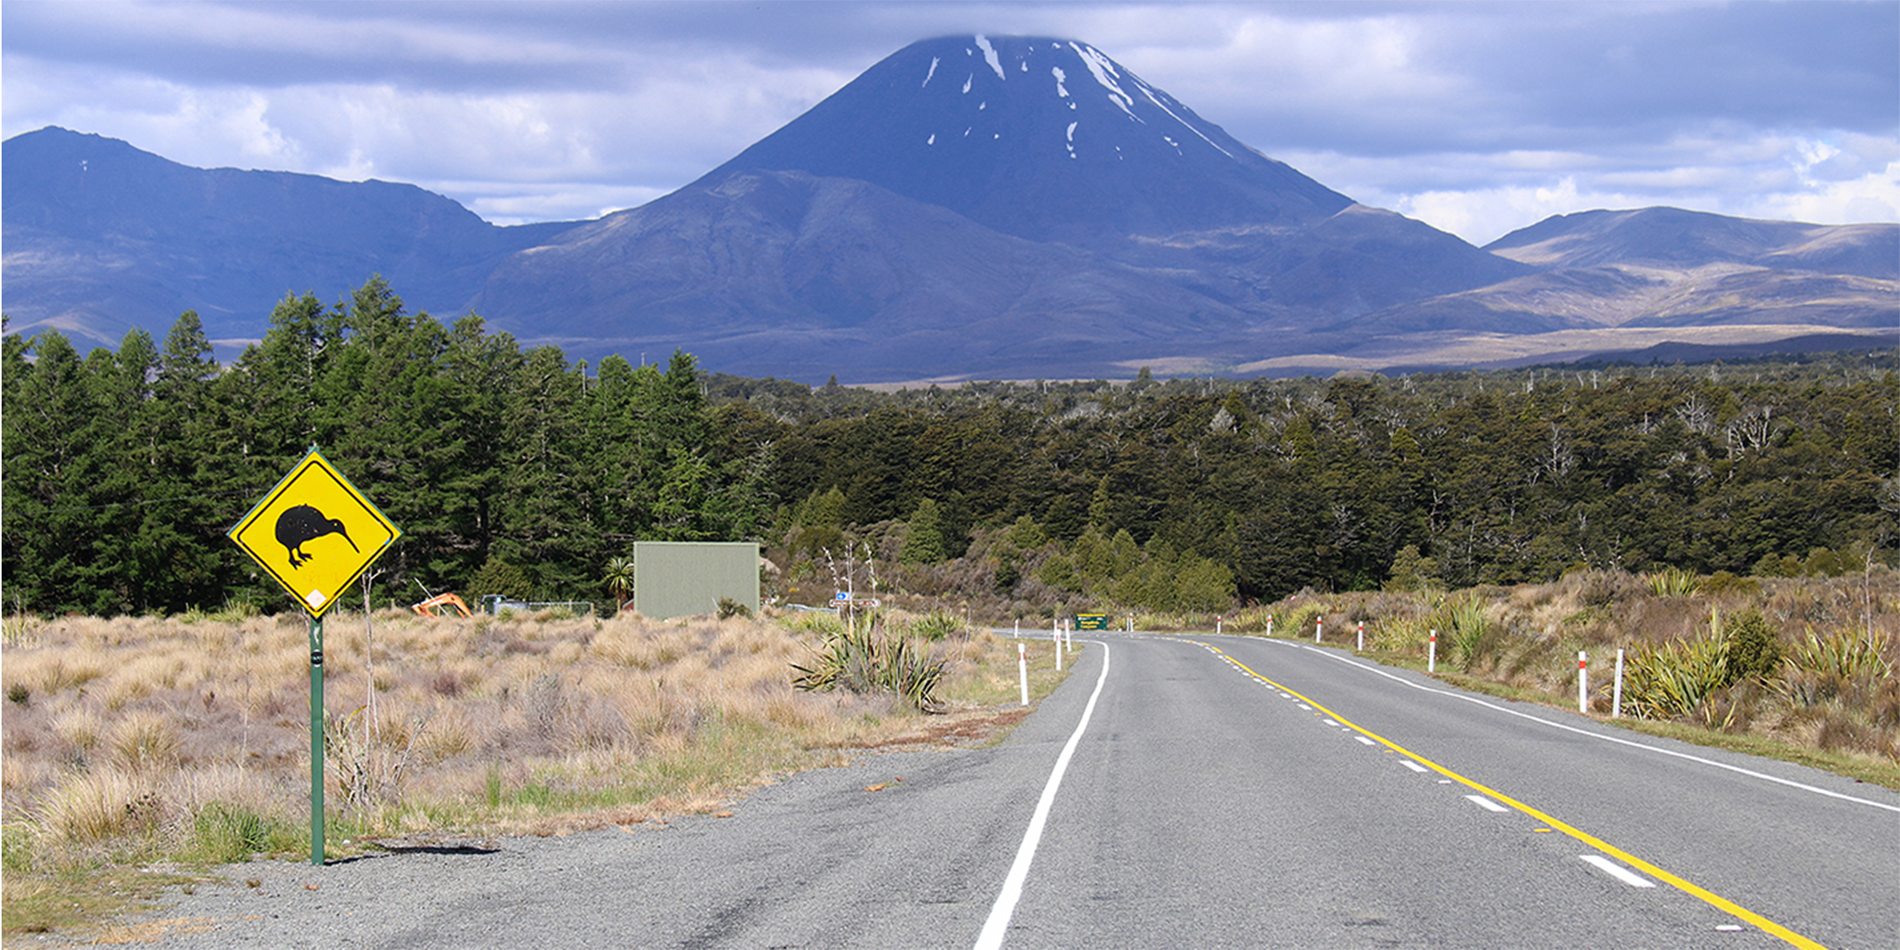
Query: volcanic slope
[982,206]
[1712,285]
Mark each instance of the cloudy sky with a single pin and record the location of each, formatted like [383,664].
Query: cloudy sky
[1478,118]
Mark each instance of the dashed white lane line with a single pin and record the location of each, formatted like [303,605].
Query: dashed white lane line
[1414,766]
[1617,871]
[1485,803]
[1365,740]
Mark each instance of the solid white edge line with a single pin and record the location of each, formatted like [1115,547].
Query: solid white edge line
[1751,773]
[1005,906]
[1618,871]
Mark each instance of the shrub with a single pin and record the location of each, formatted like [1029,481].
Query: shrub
[225,833]
[1824,668]
[864,658]
[1724,582]
[1466,628]
[145,739]
[1673,582]
[1671,680]
[1753,648]
[937,625]
[729,608]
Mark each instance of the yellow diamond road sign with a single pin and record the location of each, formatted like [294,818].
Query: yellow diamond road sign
[315,533]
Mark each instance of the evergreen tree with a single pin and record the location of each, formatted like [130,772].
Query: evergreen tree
[923,539]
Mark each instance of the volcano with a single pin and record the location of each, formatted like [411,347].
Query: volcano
[982,205]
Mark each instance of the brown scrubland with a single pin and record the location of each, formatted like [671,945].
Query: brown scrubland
[183,741]
[186,739]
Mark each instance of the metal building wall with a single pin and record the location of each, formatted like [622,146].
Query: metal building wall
[677,578]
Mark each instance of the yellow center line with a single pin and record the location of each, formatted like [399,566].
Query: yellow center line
[1715,900]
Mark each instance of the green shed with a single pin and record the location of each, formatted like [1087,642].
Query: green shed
[679,578]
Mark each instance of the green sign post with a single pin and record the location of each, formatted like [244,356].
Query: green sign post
[316,534]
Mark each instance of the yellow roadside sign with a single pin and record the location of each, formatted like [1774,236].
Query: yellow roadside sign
[315,533]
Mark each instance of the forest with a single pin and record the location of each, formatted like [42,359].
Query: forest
[521,472]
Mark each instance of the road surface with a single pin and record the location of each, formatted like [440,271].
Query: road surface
[1192,791]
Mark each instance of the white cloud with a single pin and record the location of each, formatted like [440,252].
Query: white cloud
[1477,118]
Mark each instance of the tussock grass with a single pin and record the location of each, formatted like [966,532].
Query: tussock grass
[186,739]
[1800,668]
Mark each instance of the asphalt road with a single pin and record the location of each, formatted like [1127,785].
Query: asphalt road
[1174,792]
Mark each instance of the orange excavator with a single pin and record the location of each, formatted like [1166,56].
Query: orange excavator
[442,602]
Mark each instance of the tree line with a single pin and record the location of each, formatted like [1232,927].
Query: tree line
[1769,467]
[522,472]
[509,471]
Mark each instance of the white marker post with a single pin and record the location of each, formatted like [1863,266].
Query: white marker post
[1068,639]
[1055,635]
[1319,626]
[1616,695]
[1269,625]
[1217,625]
[1022,668]
[1362,636]
[1583,682]
[1431,654]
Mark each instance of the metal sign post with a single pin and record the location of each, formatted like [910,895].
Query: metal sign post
[316,740]
[315,534]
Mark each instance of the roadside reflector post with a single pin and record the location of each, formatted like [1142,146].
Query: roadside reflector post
[1269,625]
[1431,654]
[1068,639]
[1616,694]
[1362,636]
[1319,626]
[1022,668]
[1217,624]
[1056,635]
[1583,682]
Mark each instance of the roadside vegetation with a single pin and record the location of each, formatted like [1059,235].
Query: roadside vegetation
[1734,527]
[180,743]
[1801,669]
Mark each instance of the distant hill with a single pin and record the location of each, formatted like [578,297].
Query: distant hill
[1656,269]
[101,237]
[969,207]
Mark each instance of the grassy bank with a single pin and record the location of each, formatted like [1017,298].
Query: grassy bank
[181,743]
[1801,669]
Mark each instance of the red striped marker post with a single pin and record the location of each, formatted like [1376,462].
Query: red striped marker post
[1583,682]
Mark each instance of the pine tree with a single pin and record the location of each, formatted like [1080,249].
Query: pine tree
[923,540]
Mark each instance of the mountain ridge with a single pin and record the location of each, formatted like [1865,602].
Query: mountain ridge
[1101,227]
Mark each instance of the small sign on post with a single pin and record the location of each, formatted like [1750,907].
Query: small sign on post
[315,534]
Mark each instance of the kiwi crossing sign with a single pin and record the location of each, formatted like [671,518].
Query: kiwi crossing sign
[315,533]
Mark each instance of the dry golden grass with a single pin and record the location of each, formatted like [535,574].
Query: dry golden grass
[138,738]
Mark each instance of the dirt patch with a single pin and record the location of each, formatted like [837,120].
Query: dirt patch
[961,729]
